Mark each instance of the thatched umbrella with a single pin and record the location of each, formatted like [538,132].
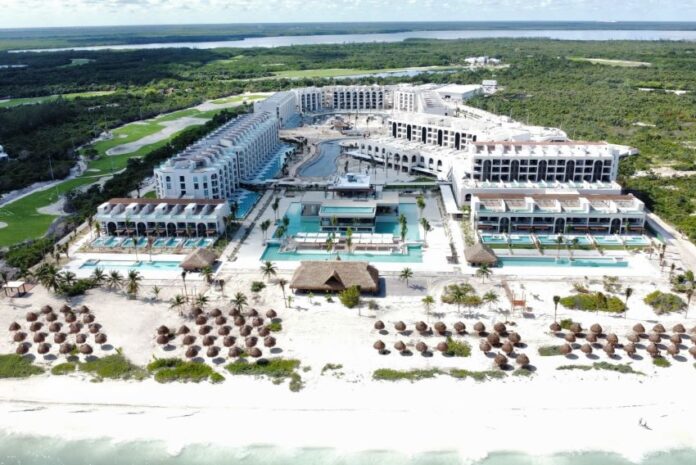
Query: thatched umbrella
[19,336]
[197,311]
[379,325]
[400,326]
[59,338]
[208,341]
[555,327]
[31,316]
[54,327]
[35,326]
[269,341]
[70,317]
[43,348]
[245,330]
[74,328]
[507,347]
[205,329]
[693,338]
[639,329]
[235,352]
[692,351]
[609,348]
[570,337]
[163,330]
[586,349]
[216,312]
[499,328]
[673,349]
[630,348]
[421,347]
[94,328]
[234,313]
[271,314]
[213,351]
[484,346]
[654,337]
[400,346]
[515,338]
[89,318]
[224,330]
[479,327]
[596,329]
[162,339]
[51,317]
[440,327]
[675,339]
[14,326]
[679,328]
[46,309]
[658,328]
[84,309]
[192,352]
[86,349]
[421,327]
[263,331]
[239,321]
[201,320]
[250,341]
[612,339]
[63,309]
[493,339]
[501,360]
[66,348]
[460,327]
[379,346]
[39,337]
[100,338]
[22,348]
[522,360]
[189,339]
[256,322]
[442,347]
[633,337]
[252,312]
[566,349]
[255,352]
[693,330]
[576,328]
[183,330]
[221,320]
[591,337]
[229,341]
[653,350]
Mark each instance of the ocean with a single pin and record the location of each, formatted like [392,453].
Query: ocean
[44,451]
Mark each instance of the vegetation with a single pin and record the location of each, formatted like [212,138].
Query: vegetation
[477,375]
[387,374]
[16,366]
[167,370]
[457,348]
[596,301]
[275,326]
[64,368]
[113,367]
[277,369]
[350,297]
[549,351]
[616,367]
[661,362]
[664,302]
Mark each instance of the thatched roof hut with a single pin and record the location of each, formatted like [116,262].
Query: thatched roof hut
[263,331]
[335,276]
[400,326]
[522,360]
[100,338]
[421,327]
[586,349]
[484,346]
[271,314]
[14,326]
[460,327]
[400,346]
[566,349]
[639,328]
[591,337]
[269,341]
[379,345]
[224,330]
[379,325]
[50,317]
[94,328]
[198,259]
[59,338]
[255,352]
[235,352]
[421,347]
[229,341]
[679,328]
[480,254]
[86,349]
[479,327]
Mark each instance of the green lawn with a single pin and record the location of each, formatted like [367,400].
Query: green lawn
[238,99]
[35,100]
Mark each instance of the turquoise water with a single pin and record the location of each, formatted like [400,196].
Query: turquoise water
[131,265]
[606,240]
[338,210]
[166,242]
[325,163]
[636,240]
[43,451]
[273,254]
[193,243]
[562,262]
[493,239]
[246,200]
[550,240]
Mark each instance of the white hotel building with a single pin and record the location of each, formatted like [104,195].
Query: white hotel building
[213,167]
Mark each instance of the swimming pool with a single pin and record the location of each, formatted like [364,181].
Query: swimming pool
[273,253]
[607,240]
[493,239]
[246,200]
[107,241]
[324,164]
[636,240]
[328,210]
[193,243]
[550,240]
[119,265]
[563,262]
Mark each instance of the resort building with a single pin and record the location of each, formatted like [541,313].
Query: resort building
[557,213]
[355,98]
[163,217]
[283,105]
[214,167]
[309,99]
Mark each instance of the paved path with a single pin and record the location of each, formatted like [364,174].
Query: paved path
[676,242]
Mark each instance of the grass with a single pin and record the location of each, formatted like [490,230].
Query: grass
[662,362]
[168,370]
[387,374]
[64,368]
[113,367]
[275,326]
[608,62]
[238,99]
[550,351]
[522,373]
[477,375]
[457,348]
[276,369]
[623,368]
[36,100]
[331,367]
[16,366]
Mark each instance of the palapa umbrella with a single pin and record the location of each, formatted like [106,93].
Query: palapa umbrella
[252,312]
[213,351]
[673,349]
[256,322]
[522,360]
[654,337]
[633,337]
[693,330]
[499,328]
[183,330]
[216,312]
[162,339]
[421,327]
[675,338]
[639,328]
[379,345]
[235,313]
[440,327]
[221,320]
[100,338]
[19,336]
[235,352]
[591,337]
[51,317]
[229,341]
[14,326]
[400,326]
[612,339]
[515,338]
[201,320]
[484,346]
[86,349]
[271,313]
[658,328]
[493,339]
[596,328]
[43,348]
[94,328]
[566,349]
[679,328]
[46,309]
[64,309]
[479,327]
[255,352]
[586,349]
[250,341]
[189,339]
[421,347]
[35,326]
[224,330]
[507,347]
[22,348]
[269,341]
[39,337]
[245,330]
[263,331]
[630,348]
[54,327]
[203,330]
[576,328]
[653,350]
[570,337]
[555,327]
[88,318]
[442,347]
[459,327]
[501,360]
[59,338]
[208,341]
[693,338]
[239,321]
[70,317]
[84,309]
[609,348]
[65,348]
[191,352]
[400,346]
[692,351]
[163,330]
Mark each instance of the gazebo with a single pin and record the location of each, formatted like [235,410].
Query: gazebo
[198,259]
[12,288]
[480,254]
[335,276]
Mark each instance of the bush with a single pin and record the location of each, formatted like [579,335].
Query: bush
[331,367]
[566,323]
[64,368]
[549,351]
[24,256]
[172,369]
[160,363]
[522,372]
[113,367]
[617,367]
[663,302]
[16,366]
[387,374]
[350,297]
[595,301]
[661,362]
[277,369]
[275,326]
[79,287]
[258,286]
[477,375]
[372,305]
[458,348]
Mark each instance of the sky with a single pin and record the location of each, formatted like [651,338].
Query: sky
[51,13]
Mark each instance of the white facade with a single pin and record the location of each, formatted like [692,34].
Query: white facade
[309,99]
[283,105]
[355,98]
[213,167]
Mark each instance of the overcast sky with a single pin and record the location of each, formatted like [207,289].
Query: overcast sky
[44,13]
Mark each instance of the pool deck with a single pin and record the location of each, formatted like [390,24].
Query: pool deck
[80,258]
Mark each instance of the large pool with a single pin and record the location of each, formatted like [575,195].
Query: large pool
[273,253]
[563,262]
[141,265]
[324,164]
[246,200]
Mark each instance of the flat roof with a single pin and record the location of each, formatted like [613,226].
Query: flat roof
[142,201]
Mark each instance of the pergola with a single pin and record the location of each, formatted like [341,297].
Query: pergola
[17,288]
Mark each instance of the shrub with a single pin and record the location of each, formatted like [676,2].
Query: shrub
[595,301]
[549,351]
[372,305]
[275,326]
[350,297]
[522,372]
[160,363]
[258,286]
[331,367]
[64,368]
[661,362]
[172,369]
[113,367]
[617,367]
[566,323]
[664,302]
[79,287]
[477,375]
[458,348]
[387,374]
[24,256]
[16,366]
[277,369]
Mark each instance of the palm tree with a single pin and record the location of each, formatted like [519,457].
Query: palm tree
[133,283]
[559,242]
[483,272]
[47,274]
[274,206]
[628,293]
[329,244]
[406,274]
[490,298]
[227,219]
[264,229]
[177,302]
[425,224]
[689,295]
[428,303]
[556,300]
[183,280]
[207,274]
[403,231]
[239,301]
[150,243]
[202,300]
[98,277]
[420,202]
[67,278]
[155,292]
[349,238]
[97,228]
[282,283]
[234,209]
[115,280]
[459,295]
[268,269]
[289,301]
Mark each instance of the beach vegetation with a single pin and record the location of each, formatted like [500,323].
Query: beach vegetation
[595,301]
[661,362]
[257,286]
[334,367]
[566,323]
[477,375]
[16,366]
[350,297]
[276,369]
[275,326]
[457,348]
[623,368]
[522,373]
[550,351]
[664,302]
[167,370]
[372,305]
[388,374]
[64,368]
[114,366]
